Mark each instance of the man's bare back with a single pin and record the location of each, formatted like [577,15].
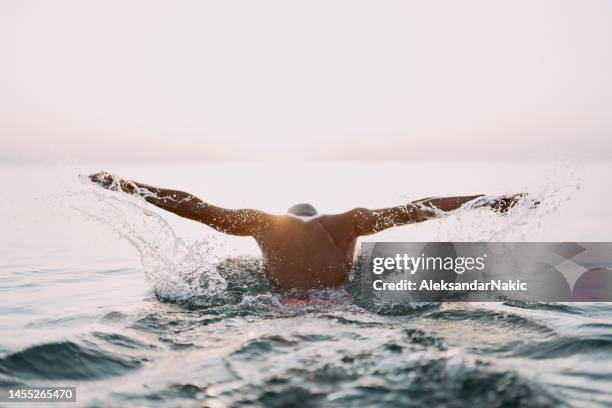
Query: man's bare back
[301,249]
[307,253]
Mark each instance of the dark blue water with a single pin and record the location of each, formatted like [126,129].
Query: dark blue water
[246,349]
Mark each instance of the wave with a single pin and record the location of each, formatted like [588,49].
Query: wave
[65,361]
[497,318]
[552,307]
[565,346]
[388,376]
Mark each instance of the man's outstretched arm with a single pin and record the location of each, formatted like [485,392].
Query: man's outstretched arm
[367,221]
[234,222]
[500,204]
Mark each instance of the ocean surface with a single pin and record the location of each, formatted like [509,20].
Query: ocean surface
[137,307]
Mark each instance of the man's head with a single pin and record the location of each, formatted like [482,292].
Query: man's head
[302,210]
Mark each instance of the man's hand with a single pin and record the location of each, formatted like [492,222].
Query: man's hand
[111,182]
[104,179]
[504,203]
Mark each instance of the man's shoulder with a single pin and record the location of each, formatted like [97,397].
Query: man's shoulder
[334,220]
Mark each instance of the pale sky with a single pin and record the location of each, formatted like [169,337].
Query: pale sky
[93,81]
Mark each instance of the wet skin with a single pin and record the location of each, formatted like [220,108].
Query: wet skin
[303,254]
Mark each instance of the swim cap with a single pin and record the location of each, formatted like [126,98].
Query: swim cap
[302,210]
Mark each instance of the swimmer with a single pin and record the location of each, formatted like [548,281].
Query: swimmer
[302,249]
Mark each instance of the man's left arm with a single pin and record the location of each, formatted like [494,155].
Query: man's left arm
[245,222]
[367,221]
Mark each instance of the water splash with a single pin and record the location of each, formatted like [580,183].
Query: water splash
[175,270]
[474,222]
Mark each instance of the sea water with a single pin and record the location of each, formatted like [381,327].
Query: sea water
[135,306]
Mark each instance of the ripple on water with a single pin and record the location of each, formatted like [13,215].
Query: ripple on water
[552,307]
[565,346]
[120,340]
[509,320]
[394,380]
[264,344]
[65,360]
